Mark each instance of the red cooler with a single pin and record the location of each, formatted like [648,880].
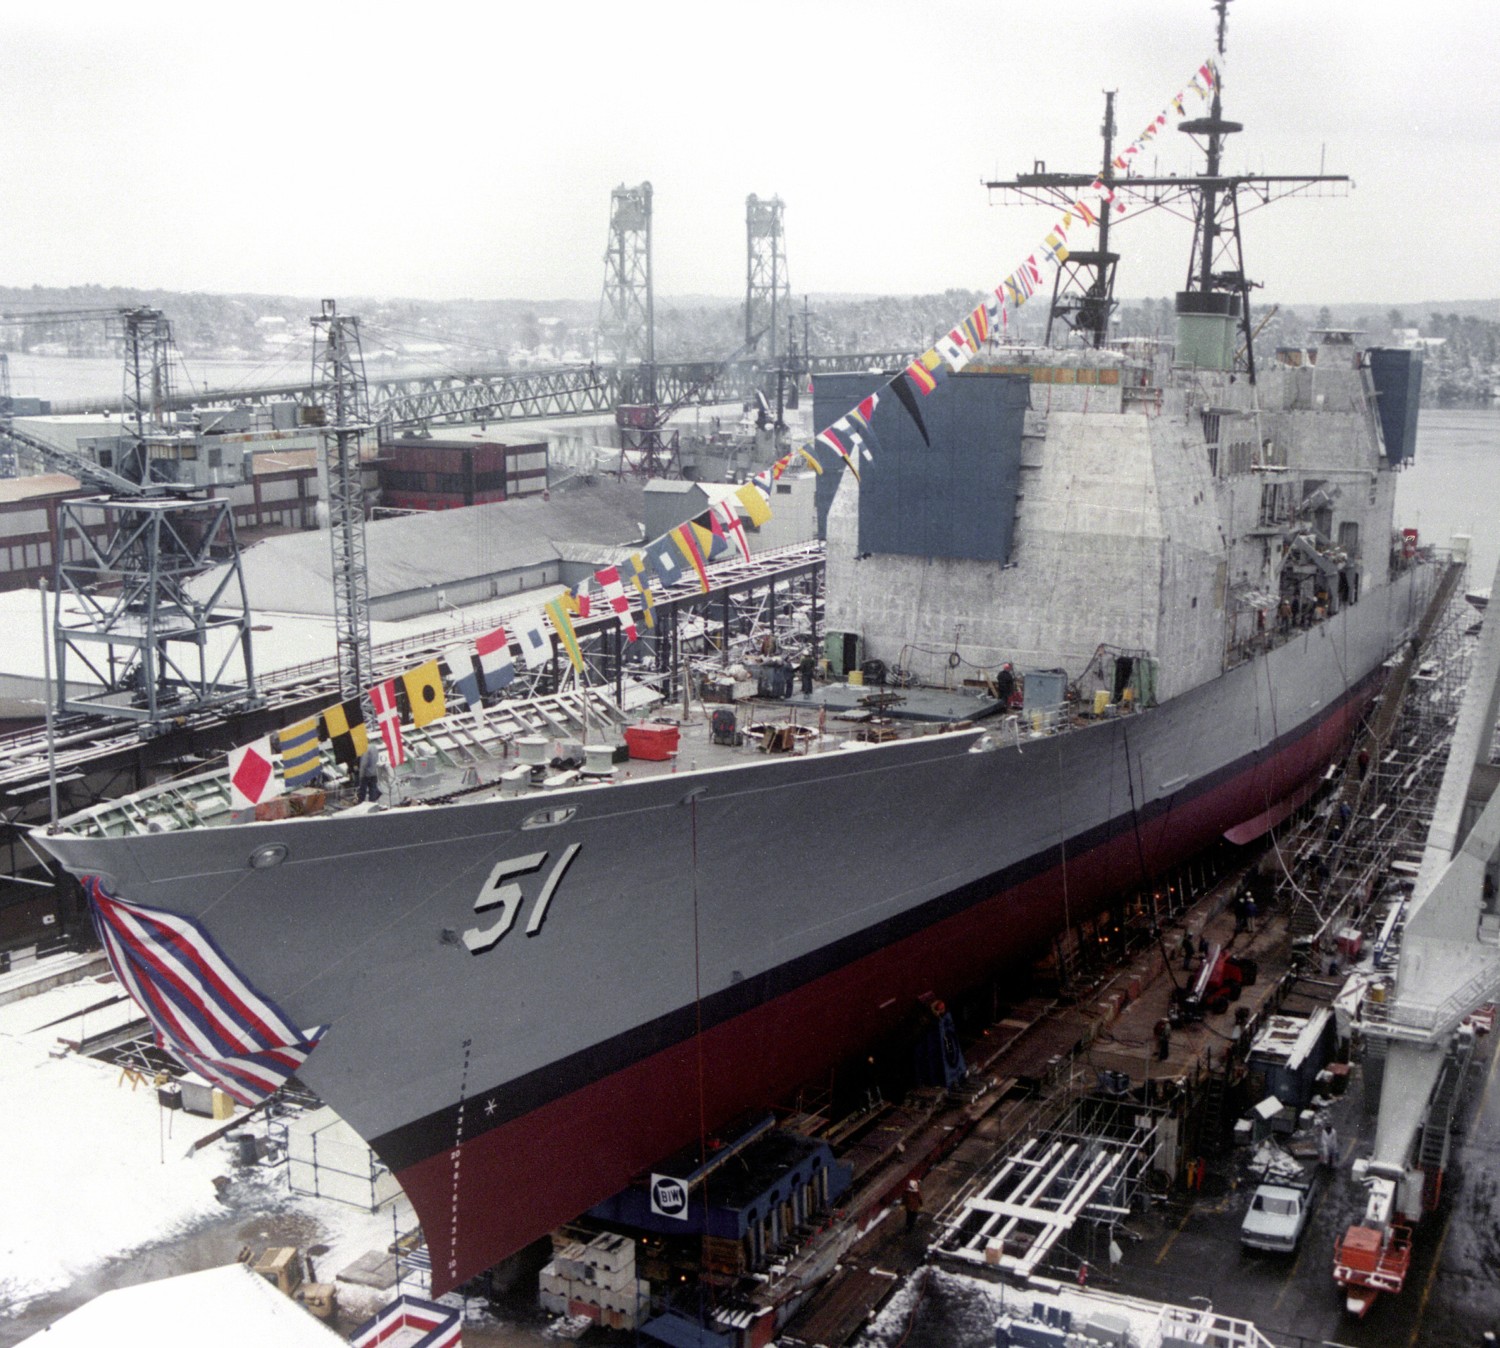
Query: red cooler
[651,741]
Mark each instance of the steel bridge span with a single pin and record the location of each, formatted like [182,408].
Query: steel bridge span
[516,395]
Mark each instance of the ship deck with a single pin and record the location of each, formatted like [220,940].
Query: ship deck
[471,757]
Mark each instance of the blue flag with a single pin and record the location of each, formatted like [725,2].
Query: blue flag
[665,560]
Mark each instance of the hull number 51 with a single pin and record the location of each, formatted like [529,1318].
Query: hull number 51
[500,891]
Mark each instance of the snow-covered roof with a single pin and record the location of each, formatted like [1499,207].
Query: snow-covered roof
[230,1307]
[1291,1038]
[291,573]
[36,484]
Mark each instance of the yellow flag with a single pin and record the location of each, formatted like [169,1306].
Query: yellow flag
[424,693]
[756,506]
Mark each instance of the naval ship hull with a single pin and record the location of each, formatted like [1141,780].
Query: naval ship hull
[673,950]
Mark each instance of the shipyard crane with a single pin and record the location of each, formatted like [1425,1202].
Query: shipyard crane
[149,651]
[341,392]
[1450,966]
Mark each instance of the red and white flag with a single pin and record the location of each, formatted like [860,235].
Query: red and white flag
[388,718]
[614,595]
[733,526]
[252,778]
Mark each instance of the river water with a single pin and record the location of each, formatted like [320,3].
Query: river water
[1454,485]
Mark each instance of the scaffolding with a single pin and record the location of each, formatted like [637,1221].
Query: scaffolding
[1051,1203]
[1364,843]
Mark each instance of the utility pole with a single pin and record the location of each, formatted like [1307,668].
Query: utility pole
[341,393]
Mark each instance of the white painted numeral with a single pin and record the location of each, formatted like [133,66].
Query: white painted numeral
[501,891]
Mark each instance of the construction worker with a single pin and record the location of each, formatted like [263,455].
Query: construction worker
[1328,1144]
[911,1200]
[368,774]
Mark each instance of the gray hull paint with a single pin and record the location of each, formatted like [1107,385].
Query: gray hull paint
[763,863]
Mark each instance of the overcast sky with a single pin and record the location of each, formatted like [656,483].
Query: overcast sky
[445,150]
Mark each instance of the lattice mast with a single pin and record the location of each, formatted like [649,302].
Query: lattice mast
[1216,282]
[1083,289]
[768,291]
[1215,304]
[340,390]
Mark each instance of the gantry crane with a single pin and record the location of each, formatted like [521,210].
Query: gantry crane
[122,559]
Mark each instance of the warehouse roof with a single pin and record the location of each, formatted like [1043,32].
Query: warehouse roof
[292,573]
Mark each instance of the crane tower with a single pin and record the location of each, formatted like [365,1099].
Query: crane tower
[342,397]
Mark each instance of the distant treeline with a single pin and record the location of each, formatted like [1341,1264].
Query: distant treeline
[1462,359]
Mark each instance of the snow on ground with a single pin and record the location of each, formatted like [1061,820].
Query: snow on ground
[94,1165]
[95,1168]
[961,1309]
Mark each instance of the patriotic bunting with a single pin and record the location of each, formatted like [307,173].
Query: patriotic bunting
[203,1009]
[562,624]
[388,718]
[424,693]
[412,1322]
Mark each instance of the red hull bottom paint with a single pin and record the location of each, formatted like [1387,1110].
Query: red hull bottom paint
[499,1190]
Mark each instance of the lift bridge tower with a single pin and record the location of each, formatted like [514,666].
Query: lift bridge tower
[627,331]
[627,318]
[768,289]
